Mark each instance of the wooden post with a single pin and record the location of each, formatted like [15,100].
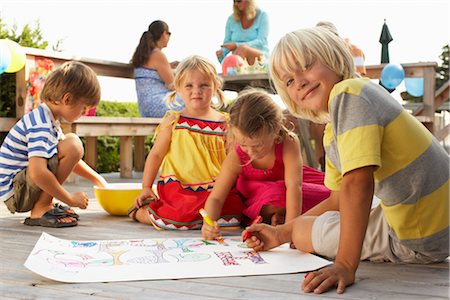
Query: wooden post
[126,157]
[429,74]
[90,153]
[139,153]
[21,92]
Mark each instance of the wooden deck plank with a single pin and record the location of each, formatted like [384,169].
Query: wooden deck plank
[374,281]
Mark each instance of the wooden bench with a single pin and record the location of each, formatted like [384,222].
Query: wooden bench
[126,129]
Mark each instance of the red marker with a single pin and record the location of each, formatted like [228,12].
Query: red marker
[247,234]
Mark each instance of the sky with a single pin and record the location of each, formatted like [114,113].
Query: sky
[111,29]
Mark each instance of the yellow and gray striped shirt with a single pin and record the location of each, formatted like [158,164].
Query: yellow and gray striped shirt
[369,127]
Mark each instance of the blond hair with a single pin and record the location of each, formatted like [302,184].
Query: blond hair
[250,11]
[74,78]
[205,67]
[254,114]
[299,48]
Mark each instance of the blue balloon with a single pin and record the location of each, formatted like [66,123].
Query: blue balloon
[392,75]
[5,57]
[414,86]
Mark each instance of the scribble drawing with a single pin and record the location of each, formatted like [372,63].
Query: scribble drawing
[253,256]
[228,259]
[80,255]
[191,257]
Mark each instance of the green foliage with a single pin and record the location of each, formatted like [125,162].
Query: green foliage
[108,159]
[117,109]
[7,95]
[442,70]
[28,37]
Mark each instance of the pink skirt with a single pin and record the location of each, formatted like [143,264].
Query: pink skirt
[274,192]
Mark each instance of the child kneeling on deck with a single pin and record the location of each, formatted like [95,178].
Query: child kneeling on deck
[266,165]
[36,157]
[372,146]
[190,148]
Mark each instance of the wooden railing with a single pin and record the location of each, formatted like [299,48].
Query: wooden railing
[427,70]
[425,113]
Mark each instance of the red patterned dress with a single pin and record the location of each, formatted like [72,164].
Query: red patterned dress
[187,176]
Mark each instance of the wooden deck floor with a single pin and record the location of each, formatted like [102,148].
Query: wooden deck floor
[374,281]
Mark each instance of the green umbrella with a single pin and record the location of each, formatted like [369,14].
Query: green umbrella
[385,39]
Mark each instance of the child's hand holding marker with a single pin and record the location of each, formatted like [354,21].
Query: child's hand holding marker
[247,234]
[210,230]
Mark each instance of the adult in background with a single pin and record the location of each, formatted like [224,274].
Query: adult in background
[246,32]
[153,73]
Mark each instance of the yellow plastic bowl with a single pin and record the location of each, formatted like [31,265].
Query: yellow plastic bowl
[117,198]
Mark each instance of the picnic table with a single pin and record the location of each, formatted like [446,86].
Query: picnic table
[128,129]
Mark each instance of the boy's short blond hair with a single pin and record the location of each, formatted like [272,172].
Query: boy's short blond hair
[301,47]
[204,66]
[75,78]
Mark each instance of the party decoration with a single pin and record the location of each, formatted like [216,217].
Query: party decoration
[392,75]
[18,56]
[230,64]
[36,81]
[414,86]
[5,56]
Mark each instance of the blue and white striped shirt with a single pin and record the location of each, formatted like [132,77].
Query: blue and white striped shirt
[36,134]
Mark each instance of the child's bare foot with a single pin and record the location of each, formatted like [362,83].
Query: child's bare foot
[273,215]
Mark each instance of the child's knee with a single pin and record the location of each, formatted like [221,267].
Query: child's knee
[302,233]
[272,213]
[71,146]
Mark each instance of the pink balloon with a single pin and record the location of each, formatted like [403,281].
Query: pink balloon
[231,61]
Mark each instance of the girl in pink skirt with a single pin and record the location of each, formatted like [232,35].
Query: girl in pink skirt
[266,166]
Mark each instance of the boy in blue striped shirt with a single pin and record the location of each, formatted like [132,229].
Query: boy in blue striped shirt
[36,157]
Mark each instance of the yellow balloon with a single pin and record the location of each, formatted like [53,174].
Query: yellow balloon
[18,56]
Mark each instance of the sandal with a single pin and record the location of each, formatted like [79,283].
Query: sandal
[51,219]
[66,208]
[133,209]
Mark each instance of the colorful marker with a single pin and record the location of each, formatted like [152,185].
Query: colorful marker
[247,234]
[206,218]
[210,222]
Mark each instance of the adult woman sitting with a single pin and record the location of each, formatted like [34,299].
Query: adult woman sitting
[246,32]
[153,73]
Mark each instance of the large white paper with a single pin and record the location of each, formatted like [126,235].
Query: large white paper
[151,259]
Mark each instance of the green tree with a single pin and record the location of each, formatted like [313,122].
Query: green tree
[28,37]
[442,70]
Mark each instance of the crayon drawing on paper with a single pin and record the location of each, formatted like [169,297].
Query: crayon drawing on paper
[152,259]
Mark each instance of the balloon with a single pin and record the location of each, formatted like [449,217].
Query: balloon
[392,75]
[230,62]
[18,57]
[414,86]
[5,56]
